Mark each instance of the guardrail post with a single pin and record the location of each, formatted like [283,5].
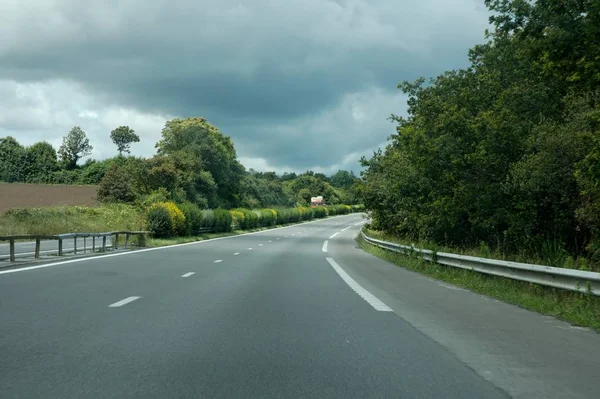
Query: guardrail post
[93,243]
[37,248]
[126,240]
[60,247]
[103,243]
[75,244]
[84,243]
[12,250]
[116,245]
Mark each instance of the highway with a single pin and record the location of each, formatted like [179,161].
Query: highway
[290,312]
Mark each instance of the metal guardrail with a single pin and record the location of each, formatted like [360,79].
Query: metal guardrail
[568,279]
[75,236]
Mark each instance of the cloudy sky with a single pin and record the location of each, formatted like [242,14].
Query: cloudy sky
[297,84]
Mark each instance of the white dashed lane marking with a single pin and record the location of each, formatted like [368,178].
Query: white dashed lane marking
[188,274]
[324,249]
[218,261]
[124,301]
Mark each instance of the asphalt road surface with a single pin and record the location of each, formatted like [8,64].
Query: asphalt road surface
[278,314]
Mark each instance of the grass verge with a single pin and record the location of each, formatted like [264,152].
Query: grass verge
[70,219]
[576,308]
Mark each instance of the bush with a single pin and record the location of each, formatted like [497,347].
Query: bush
[159,221]
[208,218]
[222,220]
[177,217]
[320,212]
[268,217]
[237,218]
[193,218]
[116,186]
[306,213]
[358,208]
[250,220]
[160,195]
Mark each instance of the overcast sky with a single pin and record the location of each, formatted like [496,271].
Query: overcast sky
[297,84]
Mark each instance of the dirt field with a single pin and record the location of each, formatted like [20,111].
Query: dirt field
[16,195]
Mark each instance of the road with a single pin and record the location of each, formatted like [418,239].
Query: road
[278,314]
[27,249]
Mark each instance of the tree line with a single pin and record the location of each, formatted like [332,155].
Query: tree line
[506,152]
[194,163]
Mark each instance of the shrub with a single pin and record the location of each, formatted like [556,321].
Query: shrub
[268,217]
[208,218]
[116,186]
[193,218]
[159,221]
[177,217]
[222,220]
[320,212]
[237,218]
[160,195]
[306,213]
[250,218]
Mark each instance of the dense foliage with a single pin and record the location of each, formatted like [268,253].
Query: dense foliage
[504,152]
[195,163]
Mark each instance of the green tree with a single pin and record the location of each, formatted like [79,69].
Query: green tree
[343,178]
[123,136]
[40,163]
[117,186]
[75,146]
[203,147]
[12,155]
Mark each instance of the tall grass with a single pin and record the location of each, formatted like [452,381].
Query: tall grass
[71,219]
[551,253]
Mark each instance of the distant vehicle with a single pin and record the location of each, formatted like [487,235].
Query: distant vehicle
[316,201]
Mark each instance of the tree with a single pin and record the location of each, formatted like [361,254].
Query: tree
[12,155]
[75,146]
[116,186]
[343,178]
[40,163]
[123,136]
[203,147]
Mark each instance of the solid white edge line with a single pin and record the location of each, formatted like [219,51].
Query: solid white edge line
[324,249]
[124,302]
[66,262]
[333,235]
[364,294]
[188,274]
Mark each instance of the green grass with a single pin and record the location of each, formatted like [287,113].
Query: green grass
[71,219]
[576,308]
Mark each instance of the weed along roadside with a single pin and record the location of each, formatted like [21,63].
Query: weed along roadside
[581,309]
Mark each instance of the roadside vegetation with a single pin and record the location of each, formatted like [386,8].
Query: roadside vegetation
[576,308]
[502,157]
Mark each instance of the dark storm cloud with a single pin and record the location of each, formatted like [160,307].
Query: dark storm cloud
[271,74]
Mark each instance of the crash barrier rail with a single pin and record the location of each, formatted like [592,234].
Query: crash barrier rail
[102,245]
[568,279]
